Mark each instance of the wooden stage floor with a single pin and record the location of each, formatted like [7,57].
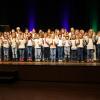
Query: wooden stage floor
[49,91]
[51,63]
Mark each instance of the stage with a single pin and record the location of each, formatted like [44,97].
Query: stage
[53,71]
[49,81]
[49,91]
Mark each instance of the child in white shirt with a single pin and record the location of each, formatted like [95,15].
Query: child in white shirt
[46,48]
[21,47]
[52,43]
[67,45]
[60,47]
[29,44]
[37,46]
[14,46]
[73,48]
[80,46]
[90,48]
[6,45]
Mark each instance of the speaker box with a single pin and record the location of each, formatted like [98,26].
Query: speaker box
[4,28]
[8,76]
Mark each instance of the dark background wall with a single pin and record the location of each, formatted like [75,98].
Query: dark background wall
[50,13]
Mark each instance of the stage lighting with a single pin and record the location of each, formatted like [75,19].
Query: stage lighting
[65,20]
[31,23]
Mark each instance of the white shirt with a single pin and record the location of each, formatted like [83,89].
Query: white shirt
[90,43]
[29,42]
[98,40]
[14,42]
[60,43]
[45,42]
[81,43]
[53,45]
[37,43]
[73,43]
[6,43]
[22,43]
[67,43]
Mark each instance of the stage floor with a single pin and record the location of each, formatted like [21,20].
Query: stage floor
[49,91]
[52,63]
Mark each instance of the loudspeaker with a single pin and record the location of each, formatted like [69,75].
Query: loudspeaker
[4,28]
[8,76]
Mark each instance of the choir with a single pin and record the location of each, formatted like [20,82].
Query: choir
[58,45]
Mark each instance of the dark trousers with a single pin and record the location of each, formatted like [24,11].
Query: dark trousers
[80,54]
[90,54]
[46,51]
[98,51]
[73,55]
